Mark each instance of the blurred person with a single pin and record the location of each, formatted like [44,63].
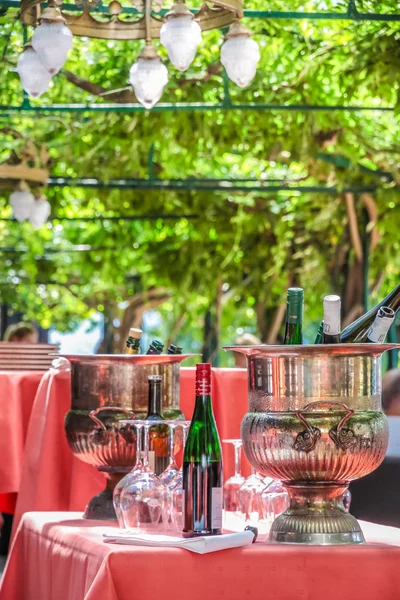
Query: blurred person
[391,407]
[21,333]
[247,339]
[391,393]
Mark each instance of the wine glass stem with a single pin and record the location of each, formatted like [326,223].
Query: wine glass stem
[138,446]
[185,432]
[172,462]
[238,452]
[146,445]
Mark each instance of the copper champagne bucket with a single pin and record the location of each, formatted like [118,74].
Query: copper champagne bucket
[315,422]
[105,389]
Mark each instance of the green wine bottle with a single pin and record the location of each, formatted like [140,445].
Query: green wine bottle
[158,435]
[320,334]
[357,331]
[294,316]
[202,465]
[331,320]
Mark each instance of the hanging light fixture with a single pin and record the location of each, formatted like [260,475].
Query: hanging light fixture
[35,78]
[52,40]
[180,35]
[240,55]
[148,76]
[22,202]
[40,212]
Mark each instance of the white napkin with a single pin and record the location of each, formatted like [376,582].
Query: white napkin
[200,545]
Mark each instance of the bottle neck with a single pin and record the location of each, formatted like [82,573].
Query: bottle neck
[393,299]
[202,407]
[132,345]
[293,333]
[377,332]
[154,403]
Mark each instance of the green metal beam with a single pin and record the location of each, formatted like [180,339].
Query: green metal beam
[201,185]
[117,218]
[342,162]
[6,111]
[350,15]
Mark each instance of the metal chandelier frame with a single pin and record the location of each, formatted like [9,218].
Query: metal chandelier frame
[351,14]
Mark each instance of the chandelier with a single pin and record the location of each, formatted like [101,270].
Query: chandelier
[27,179]
[179,31]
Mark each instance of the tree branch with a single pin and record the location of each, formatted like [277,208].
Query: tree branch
[120,97]
[353,226]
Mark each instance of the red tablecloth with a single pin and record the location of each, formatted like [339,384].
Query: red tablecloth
[58,556]
[17,393]
[54,479]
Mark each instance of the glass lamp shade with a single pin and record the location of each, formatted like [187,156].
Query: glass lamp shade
[52,42]
[22,203]
[35,78]
[181,36]
[40,212]
[240,55]
[148,78]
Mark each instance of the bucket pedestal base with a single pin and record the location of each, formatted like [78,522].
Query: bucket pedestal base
[316,515]
[101,506]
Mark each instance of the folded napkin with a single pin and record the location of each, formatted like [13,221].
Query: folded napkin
[200,545]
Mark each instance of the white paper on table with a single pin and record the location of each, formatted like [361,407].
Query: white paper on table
[200,545]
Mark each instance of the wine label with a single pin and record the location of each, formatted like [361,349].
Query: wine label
[216,508]
[377,332]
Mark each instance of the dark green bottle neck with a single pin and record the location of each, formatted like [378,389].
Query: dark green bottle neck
[133,343]
[154,403]
[293,333]
[202,408]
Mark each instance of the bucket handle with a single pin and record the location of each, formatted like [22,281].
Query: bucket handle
[342,437]
[99,423]
[101,436]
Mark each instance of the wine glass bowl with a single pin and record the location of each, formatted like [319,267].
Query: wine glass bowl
[274,501]
[172,468]
[144,501]
[233,484]
[250,497]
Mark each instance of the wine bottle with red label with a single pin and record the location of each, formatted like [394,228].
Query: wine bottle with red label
[202,465]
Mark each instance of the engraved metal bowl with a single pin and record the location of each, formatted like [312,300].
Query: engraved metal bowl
[105,389]
[315,422]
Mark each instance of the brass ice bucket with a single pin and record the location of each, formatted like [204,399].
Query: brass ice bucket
[105,389]
[315,422]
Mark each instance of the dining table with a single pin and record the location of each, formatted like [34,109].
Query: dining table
[54,479]
[59,555]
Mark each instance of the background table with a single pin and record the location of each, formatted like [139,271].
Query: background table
[17,393]
[58,555]
[54,479]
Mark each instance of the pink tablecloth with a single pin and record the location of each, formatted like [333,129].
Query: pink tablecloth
[17,393]
[54,479]
[58,556]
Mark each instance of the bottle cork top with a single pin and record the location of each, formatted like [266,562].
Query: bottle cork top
[135,333]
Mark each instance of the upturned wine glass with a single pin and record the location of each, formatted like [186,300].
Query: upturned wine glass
[137,470]
[175,488]
[274,500]
[144,501]
[233,484]
[250,497]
